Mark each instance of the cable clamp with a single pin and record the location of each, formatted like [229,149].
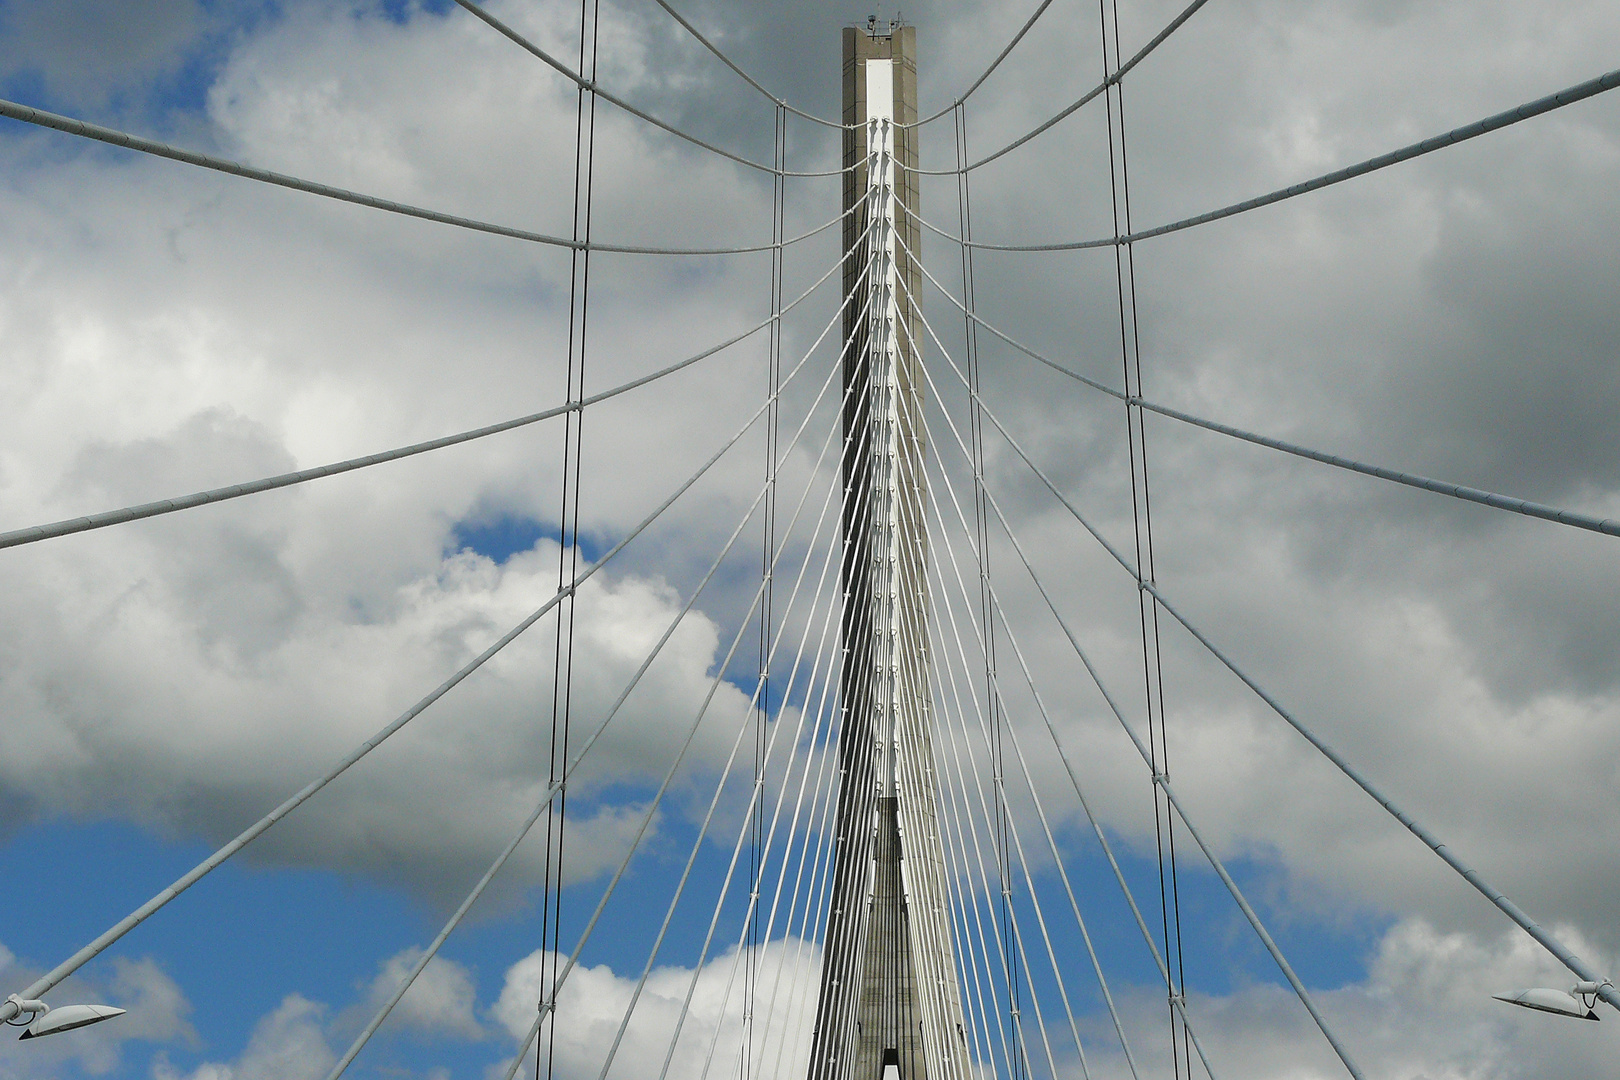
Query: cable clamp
[27,1007]
[1592,989]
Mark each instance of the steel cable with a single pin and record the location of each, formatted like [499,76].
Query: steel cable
[67,124]
[1571,95]
[35,533]
[591,85]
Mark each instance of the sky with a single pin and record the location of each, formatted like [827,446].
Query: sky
[165,683]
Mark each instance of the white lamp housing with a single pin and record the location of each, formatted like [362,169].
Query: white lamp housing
[1543,999]
[69,1017]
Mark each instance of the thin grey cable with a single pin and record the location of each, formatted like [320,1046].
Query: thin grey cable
[758,784]
[8,1009]
[793,748]
[1074,780]
[1177,1001]
[1009,965]
[1578,92]
[720,671]
[993,821]
[962,98]
[558,785]
[551,794]
[1573,518]
[590,926]
[1029,780]
[1510,909]
[971,934]
[1147,935]
[1003,810]
[606,95]
[1067,111]
[747,78]
[65,527]
[67,124]
[1162,782]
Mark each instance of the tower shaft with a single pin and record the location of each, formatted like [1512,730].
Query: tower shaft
[888,984]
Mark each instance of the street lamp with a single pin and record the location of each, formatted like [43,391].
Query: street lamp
[45,1020]
[1578,1002]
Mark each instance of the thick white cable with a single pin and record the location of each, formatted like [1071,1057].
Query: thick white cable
[758,787]
[85,130]
[1085,933]
[635,996]
[1163,783]
[1075,782]
[500,861]
[1578,92]
[549,1005]
[36,533]
[919,528]
[8,1009]
[606,95]
[1011,45]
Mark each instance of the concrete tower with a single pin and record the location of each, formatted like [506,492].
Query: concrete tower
[889,994]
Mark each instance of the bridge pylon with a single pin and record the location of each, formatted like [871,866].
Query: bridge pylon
[889,1001]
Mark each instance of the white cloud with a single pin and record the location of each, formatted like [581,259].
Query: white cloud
[288,1044]
[440,1002]
[593,1002]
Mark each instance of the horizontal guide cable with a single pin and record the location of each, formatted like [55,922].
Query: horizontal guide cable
[1573,518]
[86,130]
[35,533]
[589,84]
[1578,92]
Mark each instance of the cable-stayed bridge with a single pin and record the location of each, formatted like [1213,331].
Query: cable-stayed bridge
[895,887]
